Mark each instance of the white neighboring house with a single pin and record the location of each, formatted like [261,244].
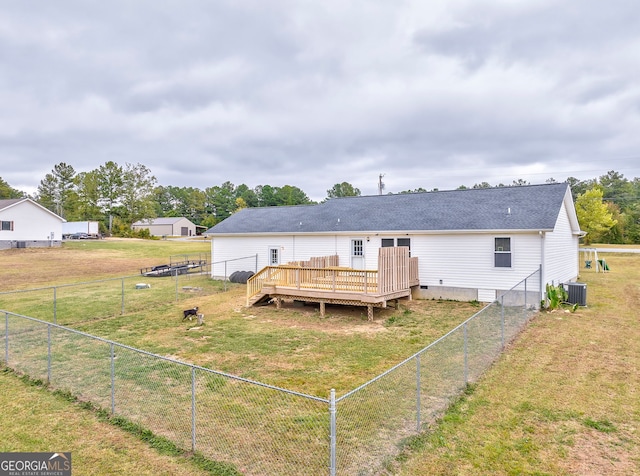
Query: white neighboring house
[26,224]
[471,244]
[169,226]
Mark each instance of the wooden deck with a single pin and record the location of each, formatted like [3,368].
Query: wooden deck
[393,279]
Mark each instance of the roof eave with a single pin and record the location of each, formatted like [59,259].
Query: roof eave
[383,232]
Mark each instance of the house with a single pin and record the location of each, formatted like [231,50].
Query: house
[25,223]
[471,244]
[169,226]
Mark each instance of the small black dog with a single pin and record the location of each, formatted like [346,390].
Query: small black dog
[190,313]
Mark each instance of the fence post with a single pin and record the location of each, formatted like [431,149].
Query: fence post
[525,296]
[113,381]
[193,409]
[418,393]
[48,353]
[466,354]
[332,436]
[122,299]
[6,338]
[55,306]
[502,319]
[225,275]
[541,290]
[176,284]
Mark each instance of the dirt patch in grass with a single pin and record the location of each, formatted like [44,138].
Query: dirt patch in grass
[595,453]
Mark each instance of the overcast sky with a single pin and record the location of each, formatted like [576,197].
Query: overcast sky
[433,94]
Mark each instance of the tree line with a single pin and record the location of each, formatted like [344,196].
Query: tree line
[116,196]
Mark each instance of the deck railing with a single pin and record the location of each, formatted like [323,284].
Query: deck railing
[334,279]
[396,272]
[414,277]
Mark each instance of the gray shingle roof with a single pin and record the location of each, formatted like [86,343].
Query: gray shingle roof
[8,202]
[159,221]
[533,207]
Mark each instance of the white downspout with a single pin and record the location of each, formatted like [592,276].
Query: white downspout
[543,267]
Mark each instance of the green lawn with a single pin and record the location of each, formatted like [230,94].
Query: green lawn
[564,399]
[292,348]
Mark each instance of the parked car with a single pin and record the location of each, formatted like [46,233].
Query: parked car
[79,236]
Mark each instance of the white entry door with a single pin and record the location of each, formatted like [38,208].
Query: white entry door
[357,254]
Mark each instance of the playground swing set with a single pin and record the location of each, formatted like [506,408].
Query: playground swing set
[591,260]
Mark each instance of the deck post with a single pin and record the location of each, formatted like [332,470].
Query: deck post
[322,309]
[369,312]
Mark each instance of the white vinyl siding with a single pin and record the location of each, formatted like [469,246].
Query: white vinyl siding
[231,249]
[467,260]
[561,251]
[292,248]
[30,222]
[305,247]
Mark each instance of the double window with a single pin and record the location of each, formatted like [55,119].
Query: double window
[391,242]
[7,225]
[502,253]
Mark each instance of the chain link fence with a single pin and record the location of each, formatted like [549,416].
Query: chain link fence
[70,304]
[260,429]
[373,419]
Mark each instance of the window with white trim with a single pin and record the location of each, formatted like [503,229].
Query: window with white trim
[7,226]
[502,253]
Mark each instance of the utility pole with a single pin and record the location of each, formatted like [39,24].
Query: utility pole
[380,184]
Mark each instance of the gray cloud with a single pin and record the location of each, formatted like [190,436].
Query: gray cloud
[433,95]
